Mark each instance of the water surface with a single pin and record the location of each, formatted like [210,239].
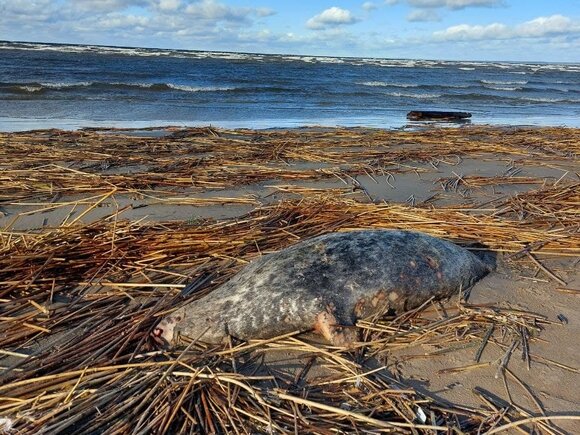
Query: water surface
[70,86]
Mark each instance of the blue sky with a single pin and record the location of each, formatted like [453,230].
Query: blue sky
[535,30]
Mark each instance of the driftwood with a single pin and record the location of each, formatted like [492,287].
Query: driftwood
[434,115]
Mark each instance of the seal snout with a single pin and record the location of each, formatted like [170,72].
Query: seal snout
[163,334]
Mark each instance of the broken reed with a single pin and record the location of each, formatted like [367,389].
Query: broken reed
[95,291]
[78,301]
[546,221]
[49,163]
[102,383]
[140,258]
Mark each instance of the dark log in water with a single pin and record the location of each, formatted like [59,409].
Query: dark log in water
[434,115]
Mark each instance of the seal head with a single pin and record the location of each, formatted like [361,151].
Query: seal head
[166,331]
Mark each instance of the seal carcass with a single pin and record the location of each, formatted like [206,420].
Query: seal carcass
[326,284]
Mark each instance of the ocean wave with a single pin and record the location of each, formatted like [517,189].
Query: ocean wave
[30,89]
[62,85]
[388,84]
[86,49]
[413,95]
[40,87]
[504,82]
[259,57]
[199,88]
[546,87]
[451,86]
[513,99]
[550,100]
[413,85]
[503,88]
[58,86]
[167,86]
[131,51]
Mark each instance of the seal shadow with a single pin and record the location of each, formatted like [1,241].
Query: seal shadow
[484,253]
[487,256]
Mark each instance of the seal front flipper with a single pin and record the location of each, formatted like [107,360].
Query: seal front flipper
[337,334]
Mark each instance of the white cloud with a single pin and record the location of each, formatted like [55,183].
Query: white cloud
[211,24]
[265,12]
[449,4]
[213,10]
[106,5]
[536,28]
[169,5]
[464,32]
[113,21]
[331,17]
[29,10]
[423,15]
[369,6]
[544,26]
[228,25]
[23,6]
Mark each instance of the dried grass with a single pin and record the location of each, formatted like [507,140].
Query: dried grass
[43,164]
[78,301]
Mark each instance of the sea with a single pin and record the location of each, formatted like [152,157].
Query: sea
[74,86]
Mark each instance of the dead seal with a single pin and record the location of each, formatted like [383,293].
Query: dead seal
[325,284]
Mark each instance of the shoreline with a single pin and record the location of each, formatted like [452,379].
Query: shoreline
[12,125]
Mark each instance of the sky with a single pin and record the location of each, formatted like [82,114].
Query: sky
[503,30]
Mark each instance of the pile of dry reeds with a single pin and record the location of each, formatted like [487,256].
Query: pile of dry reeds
[100,382]
[78,302]
[78,305]
[47,164]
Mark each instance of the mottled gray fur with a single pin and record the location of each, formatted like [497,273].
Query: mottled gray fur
[351,275]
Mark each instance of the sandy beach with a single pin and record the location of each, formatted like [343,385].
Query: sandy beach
[102,229]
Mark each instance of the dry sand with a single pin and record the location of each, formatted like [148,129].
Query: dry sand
[442,182]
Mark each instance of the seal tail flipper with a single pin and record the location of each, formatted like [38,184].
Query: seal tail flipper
[340,336]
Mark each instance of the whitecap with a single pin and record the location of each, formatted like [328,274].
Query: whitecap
[551,100]
[413,95]
[186,88]
[503,88]
[504,82]
[64,85]
[388,84]
[30,88]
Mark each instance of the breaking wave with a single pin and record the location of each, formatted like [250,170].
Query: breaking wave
[504,82]
[381,62]
[503,88]
[42,87]
[413,95]
[388,84]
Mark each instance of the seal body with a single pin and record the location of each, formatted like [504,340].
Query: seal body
[326,284]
